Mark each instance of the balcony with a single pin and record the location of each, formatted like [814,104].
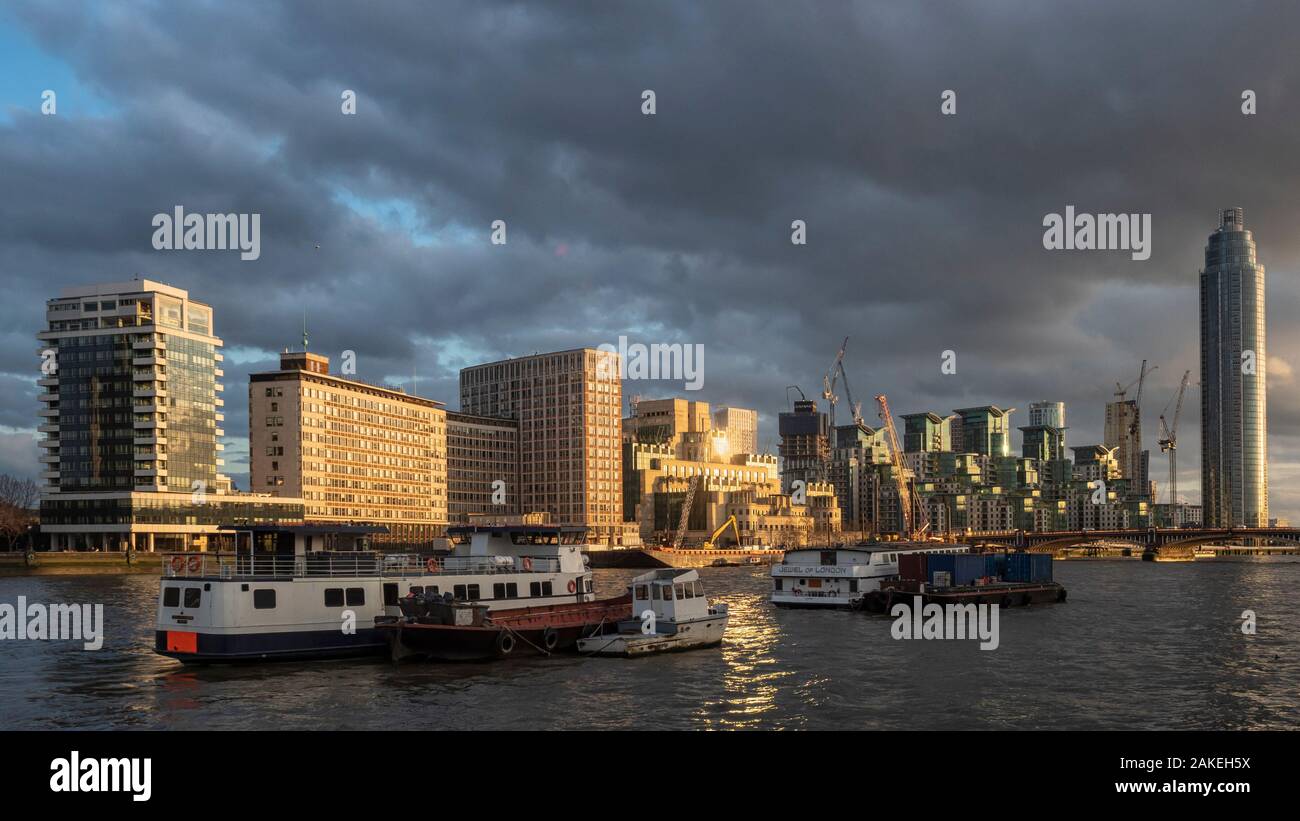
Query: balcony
[49,458]
[150,440]
[48,442]
[48,382]
[148,361]
[48,413]
[146,424]
[149,344]
[149,376]
[149,392]
[150,473]
[50,474]
[49,427]
[47,397]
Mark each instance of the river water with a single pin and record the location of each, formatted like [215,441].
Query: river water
[1138,645]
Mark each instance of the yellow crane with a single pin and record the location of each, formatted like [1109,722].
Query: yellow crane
[904,479]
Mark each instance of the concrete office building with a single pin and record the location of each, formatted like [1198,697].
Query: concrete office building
[740,426]
[352,451]
[482,466]
[568,407]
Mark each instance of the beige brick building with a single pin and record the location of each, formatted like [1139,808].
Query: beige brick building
[568,407]
[352,451]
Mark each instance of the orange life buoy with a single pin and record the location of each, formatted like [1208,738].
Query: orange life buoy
[432,565]
[573,586]
[178,562]
[196,562]
[528,564]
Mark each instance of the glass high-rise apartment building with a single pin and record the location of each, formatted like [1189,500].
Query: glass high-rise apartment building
[131,422]
[1234,398]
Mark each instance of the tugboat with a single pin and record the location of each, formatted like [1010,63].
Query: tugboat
[670,613]
[308,591]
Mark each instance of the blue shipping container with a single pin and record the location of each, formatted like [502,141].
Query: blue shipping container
[939,562]
[1019,567]
[967,568]
[995,565]
[1040,568]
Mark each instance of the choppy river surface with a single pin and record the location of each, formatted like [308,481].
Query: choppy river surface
[1138,645]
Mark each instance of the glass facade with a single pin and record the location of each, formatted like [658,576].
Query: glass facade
[95,412]
[1234,399]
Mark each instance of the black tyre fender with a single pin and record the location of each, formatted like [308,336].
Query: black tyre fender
[505,643]
[1060,596]
[550,638]
[1005,602]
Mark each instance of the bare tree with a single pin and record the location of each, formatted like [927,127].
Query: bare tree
[18,500]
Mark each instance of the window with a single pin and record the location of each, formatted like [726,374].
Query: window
[828,556]
[459,592]
[417,590]
[642,593]
[390,594]
[473,592]
[356,597]
[535,588]
[546,588]
[171,596]
[498,591]
[333,597]
[776,584]
[512,590]
[193,595]
[853,585]
[264,599]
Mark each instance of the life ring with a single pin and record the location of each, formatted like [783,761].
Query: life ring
[30,558]
[505,643]
[195,563]
[178,563]
[573,586]
[528,564]
[550,638]
[431,565]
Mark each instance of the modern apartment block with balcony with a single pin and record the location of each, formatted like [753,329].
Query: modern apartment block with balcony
[131,423]
[354,452]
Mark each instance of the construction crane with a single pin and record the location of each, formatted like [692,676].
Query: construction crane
[796,387]
[904,479]
[686,512]
[1169,443]
[831,377]
[1122,390]
[712,541]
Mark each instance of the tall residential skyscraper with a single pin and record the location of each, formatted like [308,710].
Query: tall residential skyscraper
[568,406]
[1234,399]
[132,421]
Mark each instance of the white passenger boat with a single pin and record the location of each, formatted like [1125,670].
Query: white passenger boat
[670,613]
[315,591]
[837,576]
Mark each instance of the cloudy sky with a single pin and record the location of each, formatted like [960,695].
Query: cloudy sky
[924,230]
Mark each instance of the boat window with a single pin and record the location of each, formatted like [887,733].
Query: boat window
[776,584]
[498,591]
[828,557]
[853,585]
[432,590]
[417,590]
[687,591]
[473,592]
[534,588]
[699,590]
[390,594]
[587,586]
[171,597]
[546,588]
[512,590]
[264,599]
[333,597]
[193,595]
[642,593]
[356,597]
[459,592]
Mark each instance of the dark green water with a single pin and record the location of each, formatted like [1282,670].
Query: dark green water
[1138,645]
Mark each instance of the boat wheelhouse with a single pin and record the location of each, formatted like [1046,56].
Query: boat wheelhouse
[838,576]
[311,591]
[669,613]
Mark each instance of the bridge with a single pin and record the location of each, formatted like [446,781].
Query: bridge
[1162,541]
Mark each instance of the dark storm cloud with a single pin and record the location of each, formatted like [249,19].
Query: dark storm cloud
[924,231]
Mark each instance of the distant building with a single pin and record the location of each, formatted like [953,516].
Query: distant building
[482,466]
[1234,395]
[354,452]
[1047,414]
[805,445]
[985,429]
[926,432]
[568,405]
[132,424]
[740,425]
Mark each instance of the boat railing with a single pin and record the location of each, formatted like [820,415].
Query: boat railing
[224,565]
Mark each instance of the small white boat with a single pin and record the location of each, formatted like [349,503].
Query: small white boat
[670,613]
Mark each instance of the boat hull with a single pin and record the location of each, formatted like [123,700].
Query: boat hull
[654,557]
[694,635]
[192,647]
[525,631]
[1003,595]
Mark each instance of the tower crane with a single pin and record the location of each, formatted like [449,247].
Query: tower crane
[1169,442]
[686,512]
[832,376]
[904,479]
